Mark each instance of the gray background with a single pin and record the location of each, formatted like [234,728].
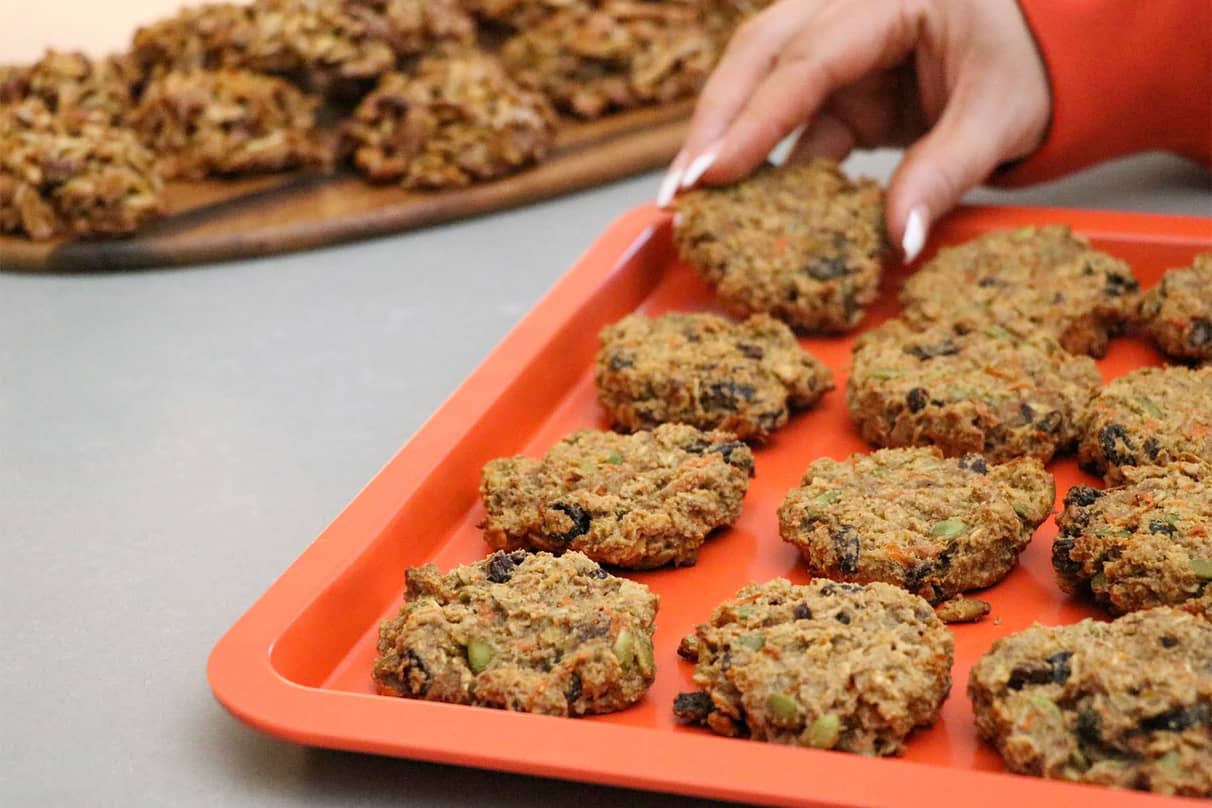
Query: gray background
[171,440]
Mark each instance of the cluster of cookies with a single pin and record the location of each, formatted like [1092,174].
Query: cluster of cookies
[967,395]
[430,94]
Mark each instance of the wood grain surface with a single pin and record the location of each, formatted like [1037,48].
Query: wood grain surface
[222,220]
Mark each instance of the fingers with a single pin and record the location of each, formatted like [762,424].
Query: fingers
[842,43]
[827,137]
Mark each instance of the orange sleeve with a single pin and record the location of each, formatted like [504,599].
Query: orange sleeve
[1126,76]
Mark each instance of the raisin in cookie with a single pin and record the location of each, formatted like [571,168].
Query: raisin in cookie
[990,393]
[1177,312]
[1030,280]
[636,501]
[1145,543]
[1126,704]
[826,665]
[1151,416]
[706,371]
[911,517]
[520,631]
[802,242]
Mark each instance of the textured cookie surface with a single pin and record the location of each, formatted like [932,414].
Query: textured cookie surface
[1177,313]
[987,392]
[827,665]
[617,55]
[1151,416]
[520,631]
[802,243]
[62,176]
[706,371]
[203,123]
[74,88]
[1029,280]
[1145,543]
[1125,704]
[909,517]
[451,122]
[637,501]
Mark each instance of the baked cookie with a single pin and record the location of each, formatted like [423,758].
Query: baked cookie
[1030,280]
[703,370]
[73,87]
[520,631]
[636,501]
[323,43]
[1145,543]
[1177,312]
[454,121]
[801,242]
[1125,704]
[826,665]
[1150,416]
[227,122]
[619,55]
[59,178]
[912,518]
[987,392]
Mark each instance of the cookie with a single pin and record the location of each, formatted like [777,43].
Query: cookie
[801,242]
[453,121]
[706,371]
[914,519]
[73,87]
[1142,544]
[987,392]
[519,631]
[826,665]
[635,501]
[1150,416]
[1030,280]
[622,54]
[1126,704]
[1177,312]
[227,122]
[59,178]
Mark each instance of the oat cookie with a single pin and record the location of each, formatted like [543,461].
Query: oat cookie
[73,87]
[912,518]
[521,631]
[59,178]
[1125,704]
[827,665]
[1030,280]
[1145,543]
[1150,416]
[988,392]
[801,242]
[636,501]
[455,121]
[1177,312]
[703,370]
[227,122]
[622,54]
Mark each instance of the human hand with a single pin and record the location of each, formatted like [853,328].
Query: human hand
[960,83]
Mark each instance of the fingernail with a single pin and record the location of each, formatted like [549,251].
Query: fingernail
[700,165]
[783,149]
[669,185]
[915,234]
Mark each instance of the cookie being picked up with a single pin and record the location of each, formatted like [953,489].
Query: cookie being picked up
[635,501]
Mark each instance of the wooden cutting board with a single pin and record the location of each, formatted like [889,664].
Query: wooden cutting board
[221,220]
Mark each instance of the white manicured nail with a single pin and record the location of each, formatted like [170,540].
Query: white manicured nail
[783,149]
[915,234]
[669,186]
[699,167]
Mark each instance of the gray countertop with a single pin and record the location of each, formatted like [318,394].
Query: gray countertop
[171,440]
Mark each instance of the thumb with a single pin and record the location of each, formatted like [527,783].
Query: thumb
[972,137]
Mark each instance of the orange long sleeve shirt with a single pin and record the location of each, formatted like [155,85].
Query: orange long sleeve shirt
[1126,76]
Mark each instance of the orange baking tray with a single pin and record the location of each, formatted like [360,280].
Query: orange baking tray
[297,665]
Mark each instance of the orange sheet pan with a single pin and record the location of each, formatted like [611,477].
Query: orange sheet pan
[297,664]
